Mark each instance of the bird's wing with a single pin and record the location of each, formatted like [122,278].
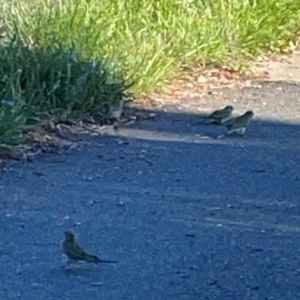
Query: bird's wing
[237,125]
[243,122]
[78,252]
[239,122]
[217,114]
[233,126]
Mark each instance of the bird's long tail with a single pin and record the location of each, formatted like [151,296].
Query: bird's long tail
[96,259]
[108,261]
[209,120]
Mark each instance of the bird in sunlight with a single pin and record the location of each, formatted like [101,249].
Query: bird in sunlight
[219,116]
[75,252]
[240,124]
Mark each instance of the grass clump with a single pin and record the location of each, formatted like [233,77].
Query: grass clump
[38,85]
[147,42]
[150,41]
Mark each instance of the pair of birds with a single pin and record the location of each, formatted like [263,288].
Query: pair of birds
[75,252]
[234,125]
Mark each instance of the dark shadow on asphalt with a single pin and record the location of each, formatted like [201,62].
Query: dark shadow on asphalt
[188,123]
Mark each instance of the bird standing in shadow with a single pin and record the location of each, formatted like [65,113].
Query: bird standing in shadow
[76,253]
[220,116]
[240,124]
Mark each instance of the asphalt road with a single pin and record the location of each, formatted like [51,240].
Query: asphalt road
[186,215]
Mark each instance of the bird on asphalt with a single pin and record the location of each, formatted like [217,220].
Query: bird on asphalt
[219,116]
[240,124]
[75,252]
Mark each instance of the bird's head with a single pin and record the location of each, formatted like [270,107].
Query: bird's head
[249,113]
[69,236]
[229,108]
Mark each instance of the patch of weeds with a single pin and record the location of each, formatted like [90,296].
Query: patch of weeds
[40,85]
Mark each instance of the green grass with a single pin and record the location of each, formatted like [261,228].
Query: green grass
[145,42]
